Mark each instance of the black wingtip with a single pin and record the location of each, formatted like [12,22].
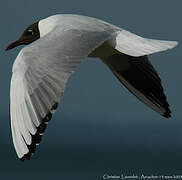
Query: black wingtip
[167,114]
[25,157]
[22,159]
[55,106]
[37,137]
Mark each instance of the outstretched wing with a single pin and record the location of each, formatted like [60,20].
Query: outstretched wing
[134,45]
[139,76]
[39,77]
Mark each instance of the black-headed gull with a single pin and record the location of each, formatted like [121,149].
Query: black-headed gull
[55,47]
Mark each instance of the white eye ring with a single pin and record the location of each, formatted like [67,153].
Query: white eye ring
[29,30]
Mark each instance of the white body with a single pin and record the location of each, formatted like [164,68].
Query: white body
[123,40]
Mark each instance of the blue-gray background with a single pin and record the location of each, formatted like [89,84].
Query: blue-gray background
[100,127]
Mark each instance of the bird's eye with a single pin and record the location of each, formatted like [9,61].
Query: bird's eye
[30,32]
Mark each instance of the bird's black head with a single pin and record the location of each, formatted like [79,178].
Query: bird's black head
[29,35]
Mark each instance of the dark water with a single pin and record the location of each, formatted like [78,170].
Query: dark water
[89,150]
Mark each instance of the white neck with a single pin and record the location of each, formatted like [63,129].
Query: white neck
[46,25]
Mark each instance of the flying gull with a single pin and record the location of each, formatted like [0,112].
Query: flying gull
[55,47]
